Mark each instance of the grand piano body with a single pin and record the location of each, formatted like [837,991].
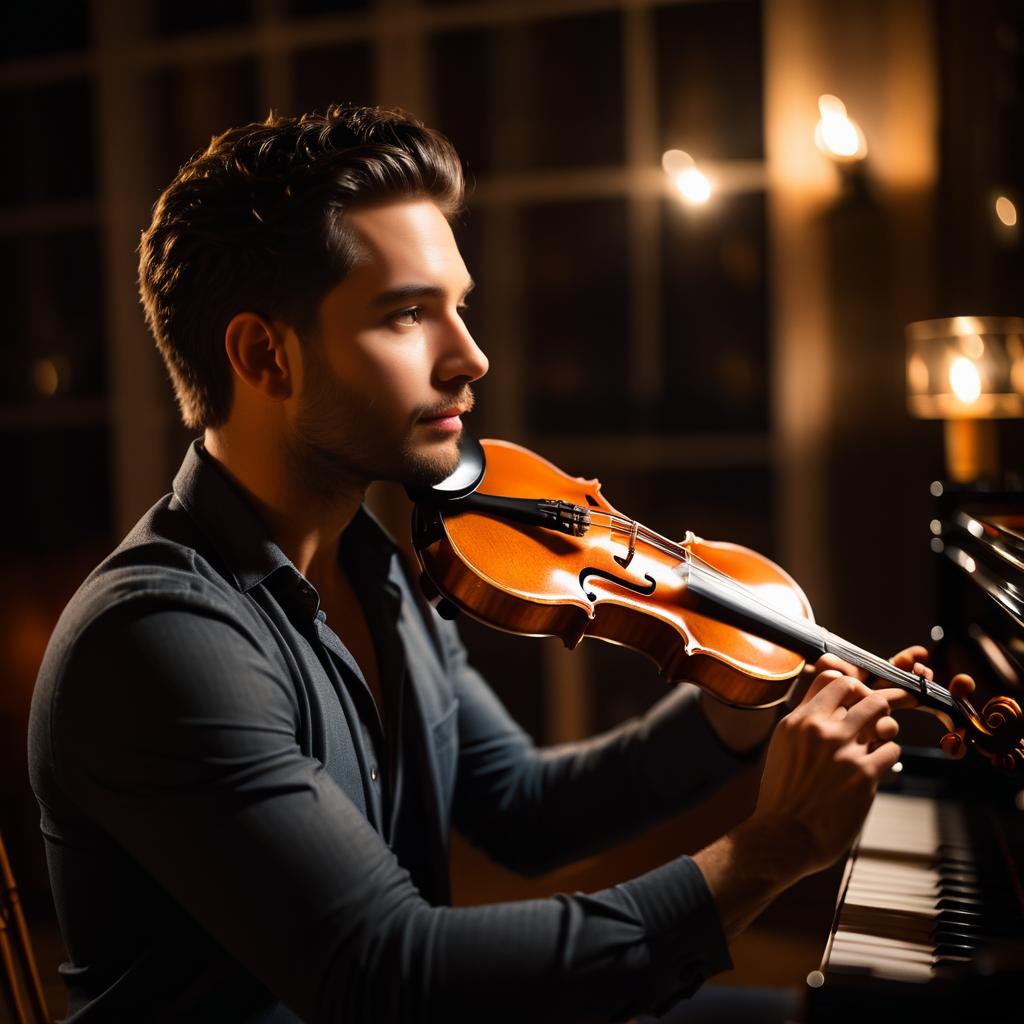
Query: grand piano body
[930,912]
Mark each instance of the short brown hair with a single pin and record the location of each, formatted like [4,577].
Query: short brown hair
[255,222]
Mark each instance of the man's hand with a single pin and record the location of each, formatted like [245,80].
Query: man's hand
[910,659]
[822,769]
[823,766]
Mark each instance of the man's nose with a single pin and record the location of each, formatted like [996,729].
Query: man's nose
[461,356]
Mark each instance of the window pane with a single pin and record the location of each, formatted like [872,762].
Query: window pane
[32,30]
[52,158]
[462,93]
[494,93]
[52,344]
[174,17]
[714,315]
[709,79]
[305,8]
[1008,164]
[198,101]
[332,74]
[60,482]
[577,316]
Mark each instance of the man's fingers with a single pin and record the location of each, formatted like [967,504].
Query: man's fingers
[898,698]
[819,683]
[866,712]
[833,691]
[882,731]
[910,659]
[906,658]
[829,662]
[882,758]
[961,686]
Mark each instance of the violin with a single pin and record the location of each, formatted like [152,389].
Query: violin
[518,544]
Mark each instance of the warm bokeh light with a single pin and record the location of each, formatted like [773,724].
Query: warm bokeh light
[1006,211]
[965,380]
[973,346]
[674,161]
[692,183]
[46,377]
[836,134]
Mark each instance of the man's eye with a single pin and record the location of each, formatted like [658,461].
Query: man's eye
[463,309]
[408,317]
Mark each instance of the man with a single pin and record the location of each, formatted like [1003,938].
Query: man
[251,735]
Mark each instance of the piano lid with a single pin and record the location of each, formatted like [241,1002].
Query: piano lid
[1002,534]
[1002,591]
[989,548]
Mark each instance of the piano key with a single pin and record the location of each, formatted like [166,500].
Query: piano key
[920,903]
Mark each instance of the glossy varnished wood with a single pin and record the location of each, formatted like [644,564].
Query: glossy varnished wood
[536,581]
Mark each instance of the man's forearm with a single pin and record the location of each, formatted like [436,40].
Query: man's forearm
[741,730]
[745,870]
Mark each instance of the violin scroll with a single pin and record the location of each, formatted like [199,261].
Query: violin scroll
[997,734]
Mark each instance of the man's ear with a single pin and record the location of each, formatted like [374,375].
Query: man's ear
[256,350]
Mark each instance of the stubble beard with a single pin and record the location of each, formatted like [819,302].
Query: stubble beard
[340,443]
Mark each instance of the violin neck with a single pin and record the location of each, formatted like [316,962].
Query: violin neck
[740,607]
[928,693]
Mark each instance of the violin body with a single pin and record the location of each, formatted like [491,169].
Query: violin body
[606,584]
[518,544]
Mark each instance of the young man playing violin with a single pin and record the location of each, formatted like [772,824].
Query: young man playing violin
[251,735]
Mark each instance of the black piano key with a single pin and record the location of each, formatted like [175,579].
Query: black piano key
[959,949]
[958,903]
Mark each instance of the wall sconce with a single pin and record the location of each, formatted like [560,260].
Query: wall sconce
[967,371]
[837,135]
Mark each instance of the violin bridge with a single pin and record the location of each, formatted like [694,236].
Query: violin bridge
[624,561]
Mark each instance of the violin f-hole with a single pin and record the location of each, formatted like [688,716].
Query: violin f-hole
[628,584]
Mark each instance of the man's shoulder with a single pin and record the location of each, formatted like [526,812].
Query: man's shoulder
[163,562]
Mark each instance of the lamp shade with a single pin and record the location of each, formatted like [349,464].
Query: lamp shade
[966,367]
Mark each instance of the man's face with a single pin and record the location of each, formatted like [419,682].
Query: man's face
[391,357]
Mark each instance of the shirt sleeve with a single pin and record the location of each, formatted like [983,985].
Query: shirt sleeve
[534,809]
[174,732]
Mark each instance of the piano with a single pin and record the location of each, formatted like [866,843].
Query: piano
[929,916]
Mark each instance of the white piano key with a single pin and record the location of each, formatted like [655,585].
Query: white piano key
[909,847]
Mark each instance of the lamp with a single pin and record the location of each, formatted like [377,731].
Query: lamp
[967,371]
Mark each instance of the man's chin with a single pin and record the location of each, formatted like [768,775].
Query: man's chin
[427,468]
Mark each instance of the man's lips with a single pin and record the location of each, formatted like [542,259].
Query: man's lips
[447,421]
[447,414]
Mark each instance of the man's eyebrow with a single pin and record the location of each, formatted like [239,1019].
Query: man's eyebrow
[408,292]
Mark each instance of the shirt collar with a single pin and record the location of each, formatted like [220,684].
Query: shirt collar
[228,519]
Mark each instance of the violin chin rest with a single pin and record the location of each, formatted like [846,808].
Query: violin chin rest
[463,481]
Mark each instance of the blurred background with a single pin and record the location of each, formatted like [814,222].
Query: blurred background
[699,232]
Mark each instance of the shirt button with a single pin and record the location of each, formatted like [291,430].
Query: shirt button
[373,773]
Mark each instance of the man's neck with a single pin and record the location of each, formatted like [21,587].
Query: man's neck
[305,524]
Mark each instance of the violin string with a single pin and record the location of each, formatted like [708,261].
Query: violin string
[871,662]
[723,579]
[837,645]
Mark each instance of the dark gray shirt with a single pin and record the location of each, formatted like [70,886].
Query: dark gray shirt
[229,840]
